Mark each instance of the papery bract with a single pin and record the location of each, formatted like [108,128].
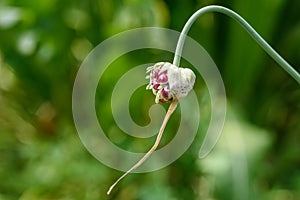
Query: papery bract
[168,81]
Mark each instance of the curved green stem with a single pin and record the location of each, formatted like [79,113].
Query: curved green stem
[285,65]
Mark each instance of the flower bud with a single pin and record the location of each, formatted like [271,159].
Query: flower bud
[169,82]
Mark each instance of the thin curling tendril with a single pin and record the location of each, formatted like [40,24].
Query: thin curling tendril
[264,45]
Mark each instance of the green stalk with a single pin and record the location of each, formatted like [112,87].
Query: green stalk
[284,64]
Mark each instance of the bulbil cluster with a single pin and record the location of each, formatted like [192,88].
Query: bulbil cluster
[168,81]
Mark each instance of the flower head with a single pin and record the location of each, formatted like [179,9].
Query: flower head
[168,81]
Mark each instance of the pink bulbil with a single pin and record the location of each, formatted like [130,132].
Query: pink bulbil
[159,82]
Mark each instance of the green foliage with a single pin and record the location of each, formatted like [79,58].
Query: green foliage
[42,44]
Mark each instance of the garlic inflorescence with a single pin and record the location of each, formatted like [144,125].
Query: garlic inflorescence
[169,82]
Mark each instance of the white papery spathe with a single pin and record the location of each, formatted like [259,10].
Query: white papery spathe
[169,82]
[181,81]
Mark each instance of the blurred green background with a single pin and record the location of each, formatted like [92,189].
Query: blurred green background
[42,44]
